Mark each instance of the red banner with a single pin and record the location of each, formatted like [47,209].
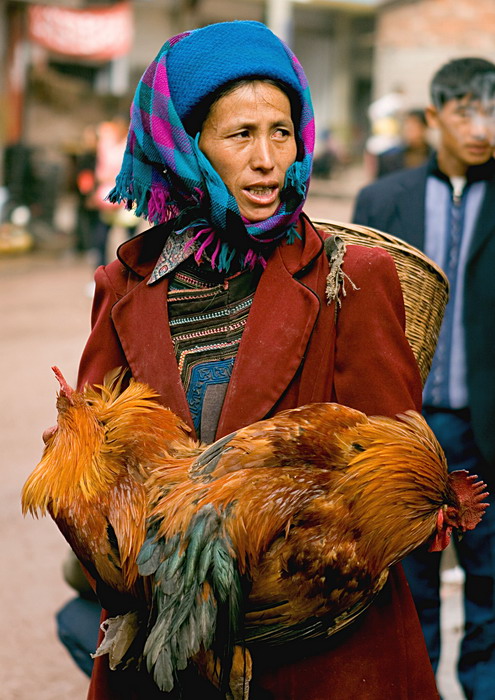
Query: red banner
[101,33]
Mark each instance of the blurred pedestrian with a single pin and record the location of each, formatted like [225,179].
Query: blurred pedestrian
[385,116]
[414,148]
[447,208]
[87,214]
[330,155]
[111,142]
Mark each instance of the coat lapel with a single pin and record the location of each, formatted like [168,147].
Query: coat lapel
[274,342]
[484,226]
[141,321]
[410,207]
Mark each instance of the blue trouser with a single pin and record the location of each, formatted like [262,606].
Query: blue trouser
[476,555]
[78,623]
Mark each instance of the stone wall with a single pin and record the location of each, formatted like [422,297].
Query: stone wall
[415,37]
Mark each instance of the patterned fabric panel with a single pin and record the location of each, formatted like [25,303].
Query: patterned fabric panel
[205,376]
[173,254]
[208,314]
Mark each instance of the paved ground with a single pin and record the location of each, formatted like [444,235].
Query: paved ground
[44,320]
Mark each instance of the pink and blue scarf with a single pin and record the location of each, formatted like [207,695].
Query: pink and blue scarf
[165,175]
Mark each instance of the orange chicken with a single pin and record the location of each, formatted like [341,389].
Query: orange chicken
[283,530]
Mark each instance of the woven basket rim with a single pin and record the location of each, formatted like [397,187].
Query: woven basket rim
[378,235]
[422,324]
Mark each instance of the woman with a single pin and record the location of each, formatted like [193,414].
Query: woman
[221,308]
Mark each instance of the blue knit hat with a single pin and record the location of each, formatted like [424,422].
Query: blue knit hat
[234,50]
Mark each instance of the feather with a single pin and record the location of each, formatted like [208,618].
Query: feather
[206,463]
[150,556]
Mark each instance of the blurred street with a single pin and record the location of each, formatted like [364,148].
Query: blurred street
[44,317]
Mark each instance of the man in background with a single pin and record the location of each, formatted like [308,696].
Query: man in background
[414,149]
[447,208]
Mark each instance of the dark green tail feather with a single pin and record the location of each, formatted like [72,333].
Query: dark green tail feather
[185,619]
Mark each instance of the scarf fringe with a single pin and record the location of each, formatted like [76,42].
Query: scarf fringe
[220,254]
[293,179]
[153,204]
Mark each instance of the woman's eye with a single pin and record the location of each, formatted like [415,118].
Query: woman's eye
[244,134]
[281,133]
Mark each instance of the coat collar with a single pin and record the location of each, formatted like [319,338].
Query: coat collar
[272,348]
[476,173]
[139,254]
[274,342]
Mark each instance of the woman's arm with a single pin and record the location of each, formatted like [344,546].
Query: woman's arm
[375,369]
[103,351]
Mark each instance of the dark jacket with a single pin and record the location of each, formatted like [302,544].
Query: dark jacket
[398,158]
[291,353]
[396,204]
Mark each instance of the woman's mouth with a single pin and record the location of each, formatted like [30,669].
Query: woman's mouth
[261,194]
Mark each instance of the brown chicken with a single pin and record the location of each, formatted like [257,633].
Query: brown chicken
[282,531]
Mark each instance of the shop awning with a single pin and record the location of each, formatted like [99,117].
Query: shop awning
[99,33]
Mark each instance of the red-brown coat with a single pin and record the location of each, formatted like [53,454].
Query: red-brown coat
[291,353]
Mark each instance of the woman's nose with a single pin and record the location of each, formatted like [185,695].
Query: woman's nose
[262,157]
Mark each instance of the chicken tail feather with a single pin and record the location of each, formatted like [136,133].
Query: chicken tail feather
[197,597]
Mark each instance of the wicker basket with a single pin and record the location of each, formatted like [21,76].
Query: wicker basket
[424,285]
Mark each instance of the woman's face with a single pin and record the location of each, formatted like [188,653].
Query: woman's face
[248,137]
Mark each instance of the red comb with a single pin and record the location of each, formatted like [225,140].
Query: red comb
[471,494]
[65,389]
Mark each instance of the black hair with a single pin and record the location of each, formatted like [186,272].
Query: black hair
[194,121]
[418,114]
[462,77]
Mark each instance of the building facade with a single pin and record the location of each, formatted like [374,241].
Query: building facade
[415,37]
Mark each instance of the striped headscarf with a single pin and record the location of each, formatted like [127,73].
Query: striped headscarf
[165,175]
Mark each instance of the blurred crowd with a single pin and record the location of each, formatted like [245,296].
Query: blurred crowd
[35,186]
